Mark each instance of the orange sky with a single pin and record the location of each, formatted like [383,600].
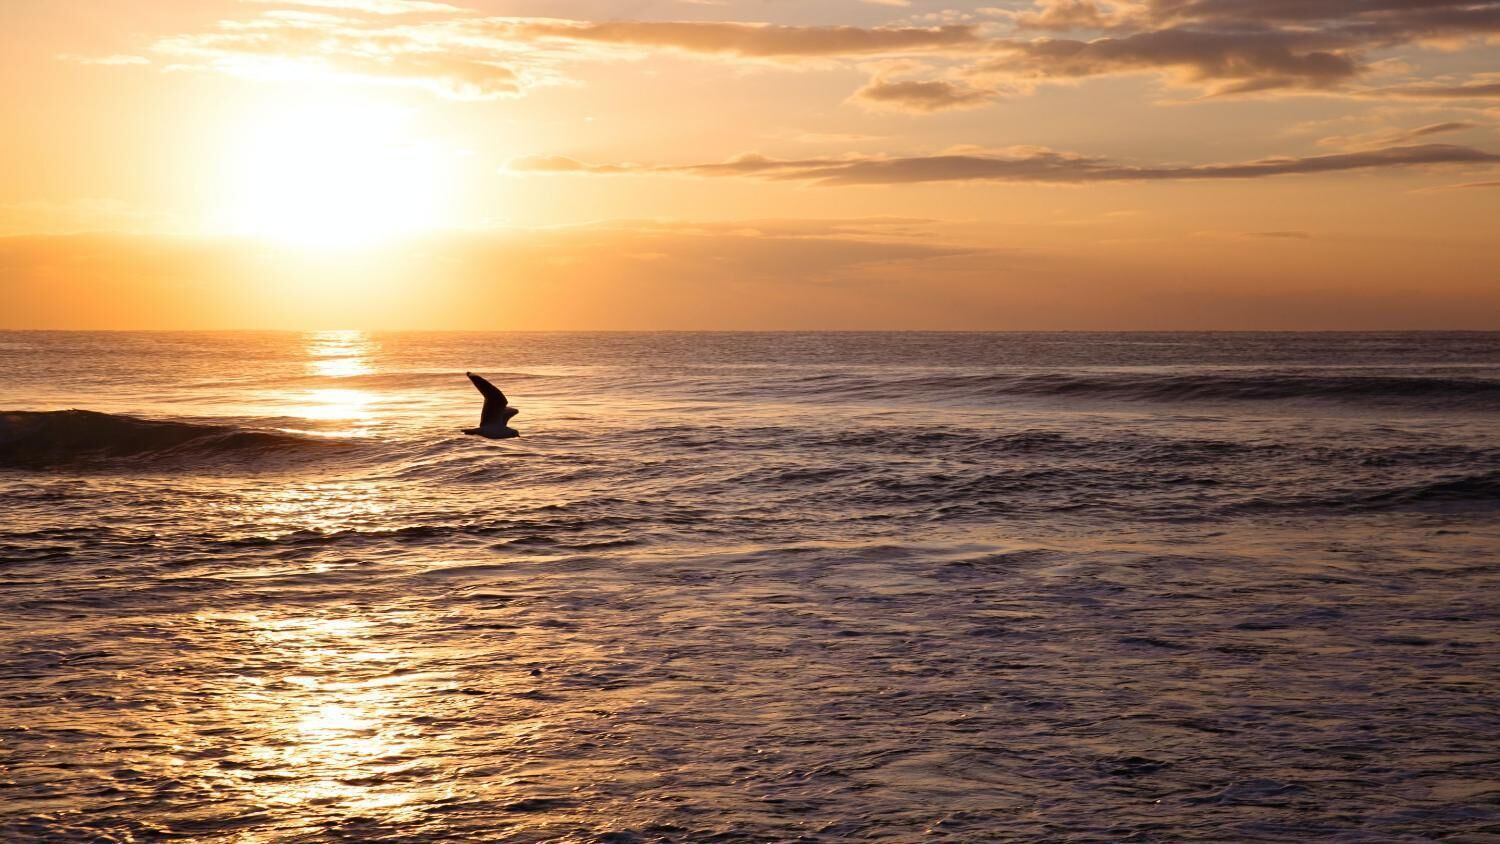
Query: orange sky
[702,164]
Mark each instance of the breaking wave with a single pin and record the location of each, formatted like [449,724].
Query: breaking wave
[62,438]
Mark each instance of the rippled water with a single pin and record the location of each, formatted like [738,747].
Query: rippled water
[750,587]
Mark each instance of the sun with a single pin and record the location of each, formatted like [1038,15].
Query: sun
[333,173]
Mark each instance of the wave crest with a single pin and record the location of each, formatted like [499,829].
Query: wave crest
[61,438]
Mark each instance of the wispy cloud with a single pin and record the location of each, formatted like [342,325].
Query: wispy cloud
[475,57]
[1238,46]
[922,96]
[434,55]
[374,7]
[1222,47]
[1069,15]
[1396,137]
[749,40]
[1026,165]
[1463,91]
[1235,62]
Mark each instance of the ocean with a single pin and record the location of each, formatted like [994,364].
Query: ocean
[814,587]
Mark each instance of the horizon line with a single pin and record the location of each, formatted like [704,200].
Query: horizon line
[1495,330]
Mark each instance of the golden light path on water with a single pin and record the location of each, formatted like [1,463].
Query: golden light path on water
[324,507]
[330,735]
[324,713]
[332,728]
[321,709]
[319,719]
[338,355]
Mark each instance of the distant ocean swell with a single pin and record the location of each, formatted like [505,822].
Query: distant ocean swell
[1477,393]
[1452,388]
[941,474]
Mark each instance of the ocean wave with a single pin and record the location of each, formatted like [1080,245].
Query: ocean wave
[62,438]
[1478,489]
[1475,490]
[407,379]
[1475,392]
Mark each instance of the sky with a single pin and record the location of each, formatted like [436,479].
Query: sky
[750,164]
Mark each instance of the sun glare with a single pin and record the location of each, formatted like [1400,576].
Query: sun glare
[334,174]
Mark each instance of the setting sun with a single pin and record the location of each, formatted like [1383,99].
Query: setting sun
[333,173]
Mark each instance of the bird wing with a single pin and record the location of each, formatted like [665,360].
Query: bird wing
[496,410]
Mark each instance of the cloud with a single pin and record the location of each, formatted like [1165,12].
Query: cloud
[1239,46]
[1404,18]
[476,58]
[1250,61]
[922,97]
[1065,15]
[1396,137]
[1283,235]
[1225,47]
[1026,165]
[429,55]
[1437,129]
[750,40]
[1467,90]
[374,7]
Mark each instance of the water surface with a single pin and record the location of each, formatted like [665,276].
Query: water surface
[750,587]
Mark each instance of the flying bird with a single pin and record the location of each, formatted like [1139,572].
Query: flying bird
[496,413]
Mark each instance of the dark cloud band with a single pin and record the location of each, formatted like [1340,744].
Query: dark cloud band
[1045,166]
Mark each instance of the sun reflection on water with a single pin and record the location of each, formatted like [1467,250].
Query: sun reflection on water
[325,719]
[337,405]
[338,355]
[324,506]
[341,367]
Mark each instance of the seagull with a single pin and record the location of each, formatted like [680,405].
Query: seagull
[497,411]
